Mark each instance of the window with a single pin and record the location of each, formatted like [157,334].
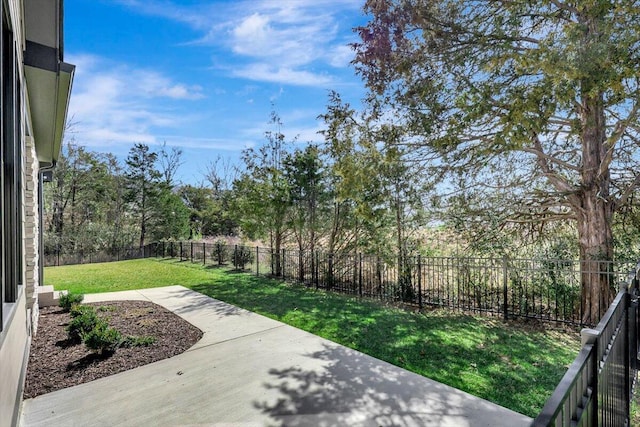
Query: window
[11,181]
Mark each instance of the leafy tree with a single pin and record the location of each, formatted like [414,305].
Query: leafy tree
[221,219]
[76,200]
[143,190]
[121,232]
[262,192]
[538,98]
[169,217]
[304,172]
[210,212]
[349,177]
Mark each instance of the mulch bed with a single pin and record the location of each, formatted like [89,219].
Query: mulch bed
[55,363]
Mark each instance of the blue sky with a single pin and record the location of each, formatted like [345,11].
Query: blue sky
[205,75]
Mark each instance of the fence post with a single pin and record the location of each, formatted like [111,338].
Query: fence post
[282,264]
[235,257]
[360,275]
[191,251]
[257,261]
[317,272]
[591,336]
[627,354]
[636,322]
[420,281]
[505,290]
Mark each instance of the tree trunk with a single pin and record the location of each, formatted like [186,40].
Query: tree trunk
[143,218]
[143,230]
[595,213]
[277,249]
[596,254]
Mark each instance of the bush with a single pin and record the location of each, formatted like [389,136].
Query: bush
[132,341]
[84,319]
[102,339]
[80,309]
[242,256]
[68,300]
[220,252]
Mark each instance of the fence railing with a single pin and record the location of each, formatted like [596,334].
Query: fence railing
[598,387]
[121,254]
[547,290]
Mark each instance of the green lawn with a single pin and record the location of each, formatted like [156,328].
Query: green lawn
[513,366]
[125,275]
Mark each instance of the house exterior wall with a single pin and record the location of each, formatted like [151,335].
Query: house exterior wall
[14,351]
[19,189]
[31,223]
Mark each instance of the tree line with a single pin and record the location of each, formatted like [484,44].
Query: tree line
[97,203]
[358,192]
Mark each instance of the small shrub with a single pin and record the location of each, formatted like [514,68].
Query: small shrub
[68,300]
[220,252]
[144,341]
[102,339]
[84,319]
[80,309]
[242,256]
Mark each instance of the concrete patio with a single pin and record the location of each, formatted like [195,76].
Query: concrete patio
[249,370]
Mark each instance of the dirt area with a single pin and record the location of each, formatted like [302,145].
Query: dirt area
[55,363]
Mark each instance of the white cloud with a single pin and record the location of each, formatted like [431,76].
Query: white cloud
[308,134]
[267,73]
[218,144]
[152,84]
[118,104]
[295,128]
[340,56]
[255,28]
[284,42]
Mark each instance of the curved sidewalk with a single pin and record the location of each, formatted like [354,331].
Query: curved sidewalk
[249,370]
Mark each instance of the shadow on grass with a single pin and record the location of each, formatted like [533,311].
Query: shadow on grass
[216,267]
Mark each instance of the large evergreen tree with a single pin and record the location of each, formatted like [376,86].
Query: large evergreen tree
[143,189]
[537,97]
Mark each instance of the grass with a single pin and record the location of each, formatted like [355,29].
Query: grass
[125,275]
[513,365]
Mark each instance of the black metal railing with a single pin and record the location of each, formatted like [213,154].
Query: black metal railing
[544,289]
[598,387]
[58,258]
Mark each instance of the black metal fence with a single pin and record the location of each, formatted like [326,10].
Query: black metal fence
[121,254]
[548,290]
[598,387]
